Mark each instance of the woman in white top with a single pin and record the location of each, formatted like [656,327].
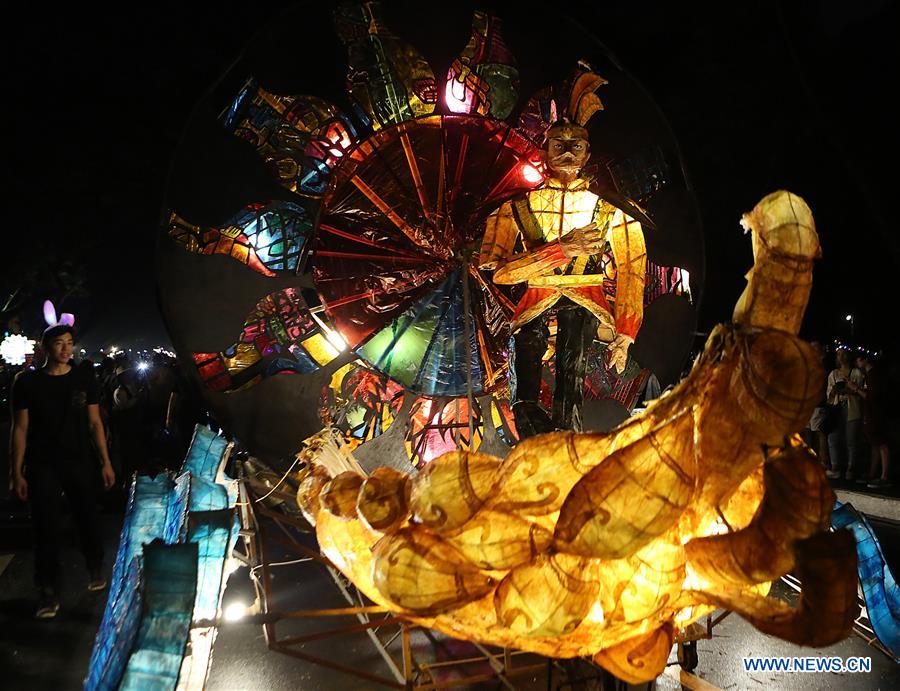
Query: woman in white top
[845,383]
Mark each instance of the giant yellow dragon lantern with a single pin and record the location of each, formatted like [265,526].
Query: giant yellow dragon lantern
[605,545]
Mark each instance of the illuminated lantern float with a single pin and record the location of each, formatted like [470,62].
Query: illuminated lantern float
[312,225]
[335,239]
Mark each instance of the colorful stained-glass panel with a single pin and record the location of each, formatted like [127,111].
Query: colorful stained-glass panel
[426,349]
[440,425]
[267,237]
[666,280]
[300,138]
[504,422]
[660,280]
[279,336]
[388,80]
[603,382]
[539,113]
[364,402]
[483,80]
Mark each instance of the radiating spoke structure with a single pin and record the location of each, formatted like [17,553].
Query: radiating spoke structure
[394,242]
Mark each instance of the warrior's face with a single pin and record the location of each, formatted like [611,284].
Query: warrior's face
[567,152]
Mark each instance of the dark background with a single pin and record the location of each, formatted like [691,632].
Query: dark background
[760,95]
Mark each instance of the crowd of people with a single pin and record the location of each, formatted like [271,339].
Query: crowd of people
[849,429]
[81,430]
[149,410]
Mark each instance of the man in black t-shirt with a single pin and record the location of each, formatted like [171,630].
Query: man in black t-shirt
[55,417]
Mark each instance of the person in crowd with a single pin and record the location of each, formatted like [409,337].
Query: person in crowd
[816,432]
[874,398]
[127,418]
[843,389]
[55,417]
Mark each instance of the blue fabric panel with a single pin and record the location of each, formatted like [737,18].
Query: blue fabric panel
[205,455]
[206,495]
[145,520]
[191,508]
[170,585]
[211,531]
[157,508]
[116,636]
[180,499]
[878,585]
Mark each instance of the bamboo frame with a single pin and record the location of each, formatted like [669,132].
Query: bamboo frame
[407,672]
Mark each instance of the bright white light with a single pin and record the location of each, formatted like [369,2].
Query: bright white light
[531,174]
[15,347]
[332,337]
[143,366]
[235,611]
[686,282]
[849,317]
[336,340]
[596,613]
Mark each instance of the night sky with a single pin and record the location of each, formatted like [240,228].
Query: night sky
[760,95]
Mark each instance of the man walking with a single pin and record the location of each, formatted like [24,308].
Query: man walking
[55,417]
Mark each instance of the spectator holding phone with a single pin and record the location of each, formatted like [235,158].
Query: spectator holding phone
[843,388]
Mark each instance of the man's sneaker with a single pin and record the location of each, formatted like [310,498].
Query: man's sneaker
[833,474]
[878,484]
[48,605]
[97,581]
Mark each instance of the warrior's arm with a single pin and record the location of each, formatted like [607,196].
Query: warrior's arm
[626,238]
[497,249]
[527,265]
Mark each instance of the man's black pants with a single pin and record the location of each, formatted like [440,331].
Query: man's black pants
[576,329]
[46,481]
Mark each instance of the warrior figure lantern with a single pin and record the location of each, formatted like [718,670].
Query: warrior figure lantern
[552,239]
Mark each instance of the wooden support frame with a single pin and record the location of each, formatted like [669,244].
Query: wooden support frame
[262,525]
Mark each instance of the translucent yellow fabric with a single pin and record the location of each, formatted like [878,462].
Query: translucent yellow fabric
[607,544]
